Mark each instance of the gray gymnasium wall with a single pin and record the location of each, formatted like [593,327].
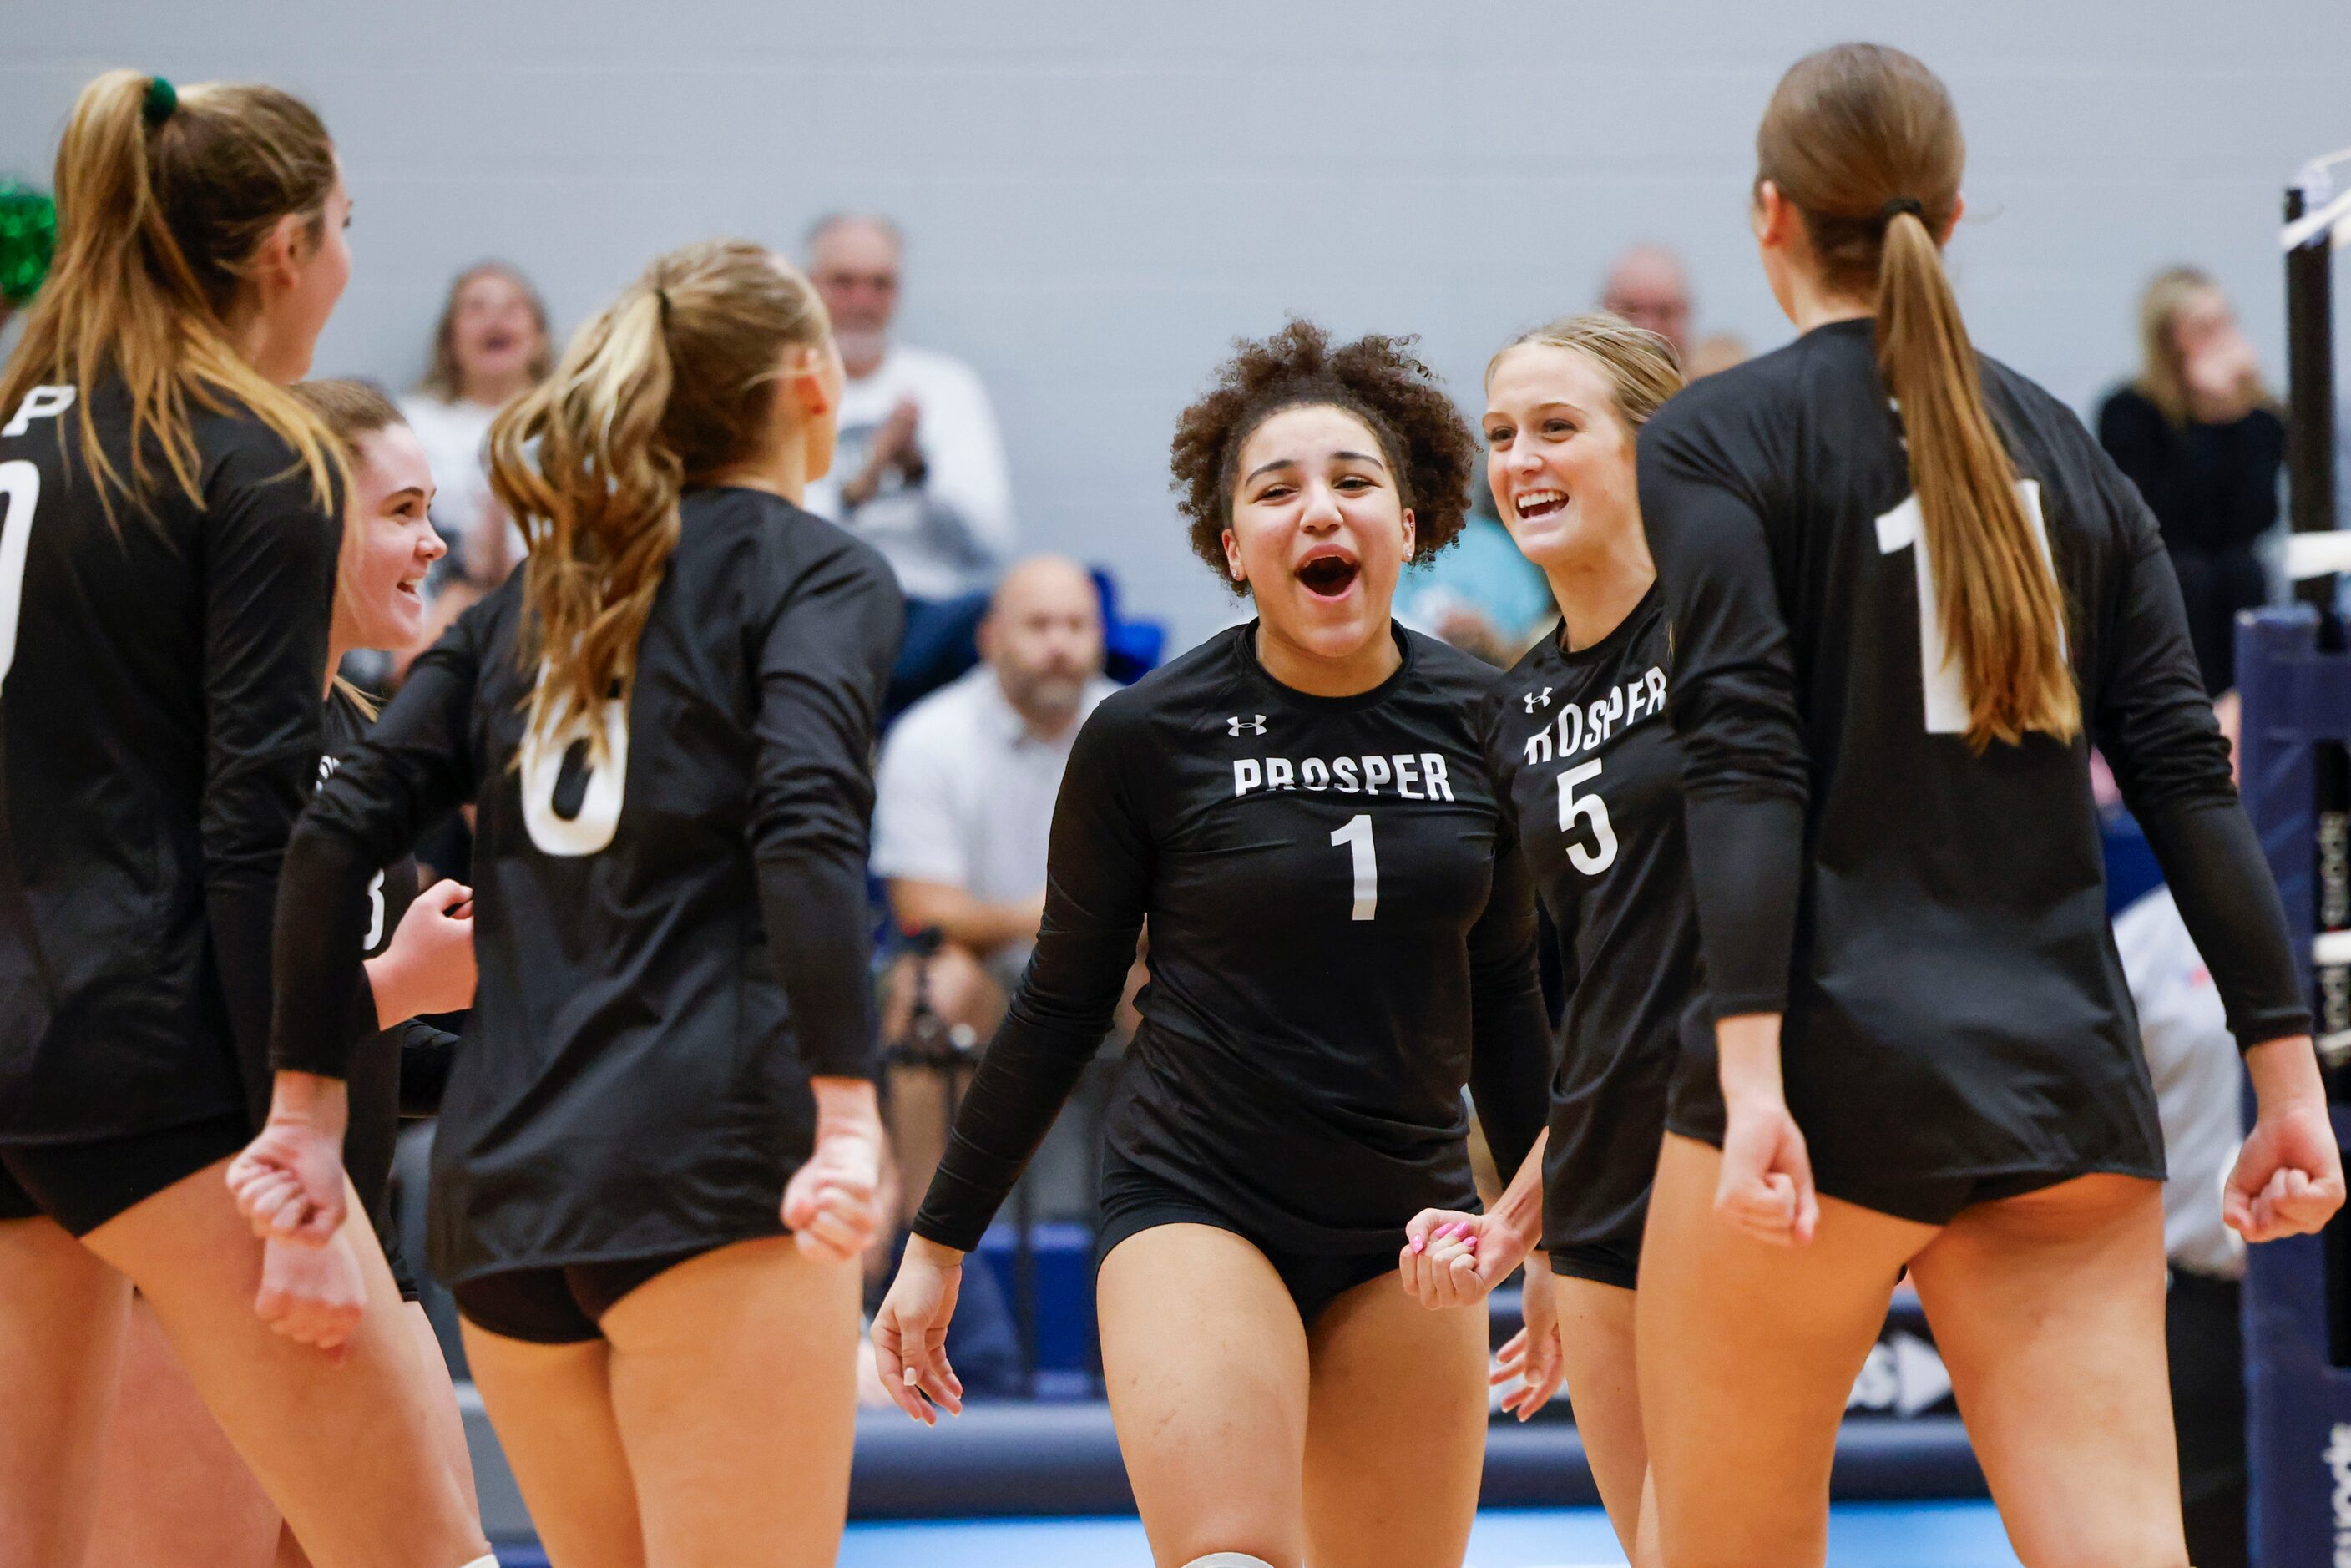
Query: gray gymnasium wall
[1100,194]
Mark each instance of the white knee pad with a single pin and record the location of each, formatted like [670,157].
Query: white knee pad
[489,1562]
[1228,1559]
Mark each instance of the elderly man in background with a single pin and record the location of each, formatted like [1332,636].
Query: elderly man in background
[1649,288]
[963,809]
[919,473]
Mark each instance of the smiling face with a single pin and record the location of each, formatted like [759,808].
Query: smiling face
[1557,454]
[494,330]
[1319,528]
[382,606]
[854,264]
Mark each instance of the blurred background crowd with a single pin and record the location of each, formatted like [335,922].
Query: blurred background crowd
[1036,232]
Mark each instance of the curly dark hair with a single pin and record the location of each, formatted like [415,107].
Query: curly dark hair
[1428,446]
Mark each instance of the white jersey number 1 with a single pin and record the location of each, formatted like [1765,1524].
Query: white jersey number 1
[1941,679]
[20,491]
[1357,836]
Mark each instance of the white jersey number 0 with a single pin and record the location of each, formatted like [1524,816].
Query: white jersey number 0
[544,748]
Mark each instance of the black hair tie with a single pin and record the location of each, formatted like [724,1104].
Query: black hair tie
[1897,206]
[163,101]
[660,298]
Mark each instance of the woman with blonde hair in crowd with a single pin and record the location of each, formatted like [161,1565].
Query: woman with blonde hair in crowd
[1908,591]
[2200,437]
[658,1149]
[1591,769]
[490,346]
[168,564]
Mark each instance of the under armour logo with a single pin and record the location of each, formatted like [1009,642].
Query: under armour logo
[1254,725]
[1539,699]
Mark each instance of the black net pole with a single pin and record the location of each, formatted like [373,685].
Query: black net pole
[2310,361]
[2311,479]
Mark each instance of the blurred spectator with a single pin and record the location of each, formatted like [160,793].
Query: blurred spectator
[1716,352]
[491,345]
[964,800]
[963,811]
[920,471]
[1649,288]
[2196,434]
[1481,594]
[2198,1091]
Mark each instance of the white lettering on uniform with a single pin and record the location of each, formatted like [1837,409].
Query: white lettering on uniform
[1408,774]
[1634,694]
[1605,712]
[1571,730]
[1655,681]
[1376,773]
[41,403]
[1539,746]
[1432,772]
[1246,775]
[1345,767]
[1276,773]
[1313,775]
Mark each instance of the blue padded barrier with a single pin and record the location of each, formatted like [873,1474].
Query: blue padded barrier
[1008,1459]
[1063,1257]
[2297,1392]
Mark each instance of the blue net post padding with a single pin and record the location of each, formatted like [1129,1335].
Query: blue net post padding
[2298,1398]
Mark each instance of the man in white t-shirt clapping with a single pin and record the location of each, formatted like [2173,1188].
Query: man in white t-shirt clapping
[964,800]
[919,473]
[963,813]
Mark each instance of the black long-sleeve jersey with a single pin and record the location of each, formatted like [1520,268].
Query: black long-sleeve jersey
[1931,922]
[669,942]
[378,1091]
[1341,932]
[1582,749]
[160,672]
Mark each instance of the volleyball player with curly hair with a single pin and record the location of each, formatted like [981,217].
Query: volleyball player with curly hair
[1341,934]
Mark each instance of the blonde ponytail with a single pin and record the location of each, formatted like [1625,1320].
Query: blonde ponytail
[158,214]
[2002,613]
[1865,142]
[670,384]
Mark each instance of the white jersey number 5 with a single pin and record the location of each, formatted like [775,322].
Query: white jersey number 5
[1603,853]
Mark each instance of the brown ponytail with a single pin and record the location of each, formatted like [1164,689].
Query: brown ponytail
[1863,141]
[157,220]
[670,384]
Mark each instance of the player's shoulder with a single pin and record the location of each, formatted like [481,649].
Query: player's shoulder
[791,546]
[1756,395]
[1453,675]
[1179,691]
[2040,412]
[2080,491]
